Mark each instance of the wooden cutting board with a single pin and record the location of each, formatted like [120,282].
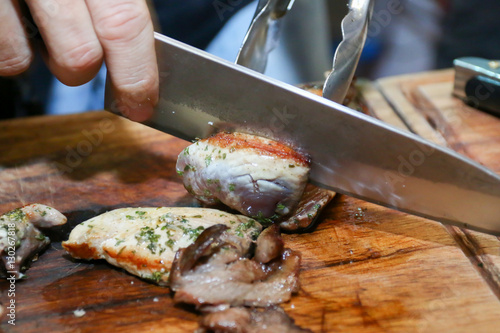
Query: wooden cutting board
[364,269]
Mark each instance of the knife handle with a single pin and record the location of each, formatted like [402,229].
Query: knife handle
[477,82]
[483,93]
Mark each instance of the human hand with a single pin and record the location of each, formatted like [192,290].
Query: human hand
[79,35]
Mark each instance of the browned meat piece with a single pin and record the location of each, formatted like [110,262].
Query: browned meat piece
[269,245]
[144,240]
[307,211]
[20,238]
[244,320]
[217,270]
[258,177]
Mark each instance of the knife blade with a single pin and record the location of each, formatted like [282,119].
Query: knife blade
[351,153]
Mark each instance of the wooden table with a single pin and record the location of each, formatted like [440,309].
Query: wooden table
[365,268]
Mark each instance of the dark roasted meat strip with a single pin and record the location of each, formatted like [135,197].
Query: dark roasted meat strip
[258,177]
[218,269]
[20,238]
[269,245]
[244,320]
[313,200]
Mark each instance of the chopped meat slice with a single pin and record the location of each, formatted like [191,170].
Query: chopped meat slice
[143,241]
[225,274]
[244,320]
[258,177]
[313,200]
[20,238]
[269,245]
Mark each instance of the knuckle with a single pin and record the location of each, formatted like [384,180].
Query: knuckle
[15,64]
[123,21]
[81,57]
[139,88]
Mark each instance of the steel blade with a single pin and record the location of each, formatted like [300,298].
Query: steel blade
[351,153]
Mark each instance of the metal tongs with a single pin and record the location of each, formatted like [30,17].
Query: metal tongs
[263,34]
[354,30]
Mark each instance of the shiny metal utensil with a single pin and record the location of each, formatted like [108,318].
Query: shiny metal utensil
[351,153]
[263,33]
[477,82]
[345,61]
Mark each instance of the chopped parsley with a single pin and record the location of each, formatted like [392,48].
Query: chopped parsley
[245,226]
[140,213]
[148,235]
[16,215]
[192,233]
[156,276]
[280,207]
[208,160]
[40,237]
[232,187]
[170,243]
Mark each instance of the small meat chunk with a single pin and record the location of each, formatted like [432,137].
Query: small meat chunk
[303,217]
[269,245]
[224,272]
[143,241]
[244,320]
[258,177]
[20,238]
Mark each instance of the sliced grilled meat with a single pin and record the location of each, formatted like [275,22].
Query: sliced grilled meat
[258,177]
[225,273]
[143,241]
[20,238]
[244,320]
[313,200]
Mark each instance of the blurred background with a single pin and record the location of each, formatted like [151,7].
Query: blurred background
[404,36]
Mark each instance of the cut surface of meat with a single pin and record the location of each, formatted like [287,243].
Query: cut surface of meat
[258,177]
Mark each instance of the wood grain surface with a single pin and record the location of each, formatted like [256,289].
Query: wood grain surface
[365,268]
[426,104]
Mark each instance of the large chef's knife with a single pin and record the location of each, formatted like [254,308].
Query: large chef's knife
[351,153]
